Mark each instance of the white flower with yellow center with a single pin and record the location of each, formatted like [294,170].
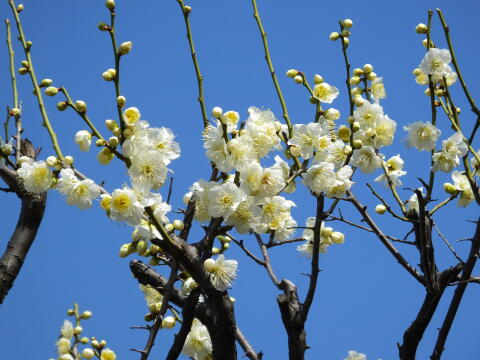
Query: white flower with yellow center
[366,159]
[378,89]
[262,128]
[63,346]
[200,189]
[224,199]
[368,114]
[131,116]
[245,216]
[448,158]
[147,171]
[412,203]
[462,184]
[272,208]
[319,177]
[230,119]
[36,177]
[216,148]
[422,135]
[67,329]
[306,249]
[137,138]
[283,226]
[325,92]
[83,139]
[222,272]
[306,139]
[342,183]
[250,178]
[124,206]
[334,154]
[152,297]
[394,167]
[436,62]
[241,151]
[283,166]
[108,354]
[161,139]
[79,193]
[384,131]
[198,344]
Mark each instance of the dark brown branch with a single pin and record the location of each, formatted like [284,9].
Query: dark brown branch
[381,236]
[414,334]
[29,220]
[457,296]
[187,319]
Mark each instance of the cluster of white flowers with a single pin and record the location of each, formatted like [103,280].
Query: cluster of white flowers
[327,237]
[222,272]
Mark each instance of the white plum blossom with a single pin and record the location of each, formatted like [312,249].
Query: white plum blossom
[366,159]
[394,168]
[378,89]
[262,182]
[436,62]
[412,203]
[67,329]
[325,92]
[131,116]
[245,216]
[161,139]
[342,183]
[83,139]
[319,178]
[241,151]
[147,171]
[198,344]
[222,272]
[145,231]
[448,157]
[306,139]
[124,206]
[36,177]
[152,296]
[137,139]
[283,166]
[200,189]
[216,147]
[384,131]
[223,199]
[78,192]
[462,184]
[367,114]
[262,127]
[230,119]
[422,135]
[326,238]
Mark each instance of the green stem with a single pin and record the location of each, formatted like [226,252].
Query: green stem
[256,15]
[443,203]
[431,179]
[46,122]
[446,29]
[196,65]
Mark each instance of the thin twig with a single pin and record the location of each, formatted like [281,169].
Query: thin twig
[266,258]
[447,243]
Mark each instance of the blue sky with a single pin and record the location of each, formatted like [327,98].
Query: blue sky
[364,300]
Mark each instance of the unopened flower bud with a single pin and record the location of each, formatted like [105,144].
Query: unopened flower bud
[354,80]
[126,249]
[209,265]
[109,75]
[347,150]
[154,307]
[22,71]
[424,43]
[350,119]
[344,133]
[80,106]
[357,144]
[51,161]
[421,28]
[178,224]
[148,317]
[20,8]
[113,141]
[327,231]
[168,322]
[331,114]
[345,33]
[107,354]
[88,353]
[215,250]
[77,330]
[62,105]
[380,209]
[51,91]
[371,76]
[86,315]
[292,73]
[95,344]
[103,343]
[367,68]
[105,156]
[317,79]
[46,82]
[142,247]
[14,111]
[29,44]
[298,79]
[125,48]
[348,23]
[358,72]
[358,101]
[102,26]
[187,9]
[346,42]
[334,36]
[427,91]
[110,4]
[355,126]
[99,143]
[450,188]
[121,100]
[68,160]
[110,124]
[217,112]
[84,340]
[226,246]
